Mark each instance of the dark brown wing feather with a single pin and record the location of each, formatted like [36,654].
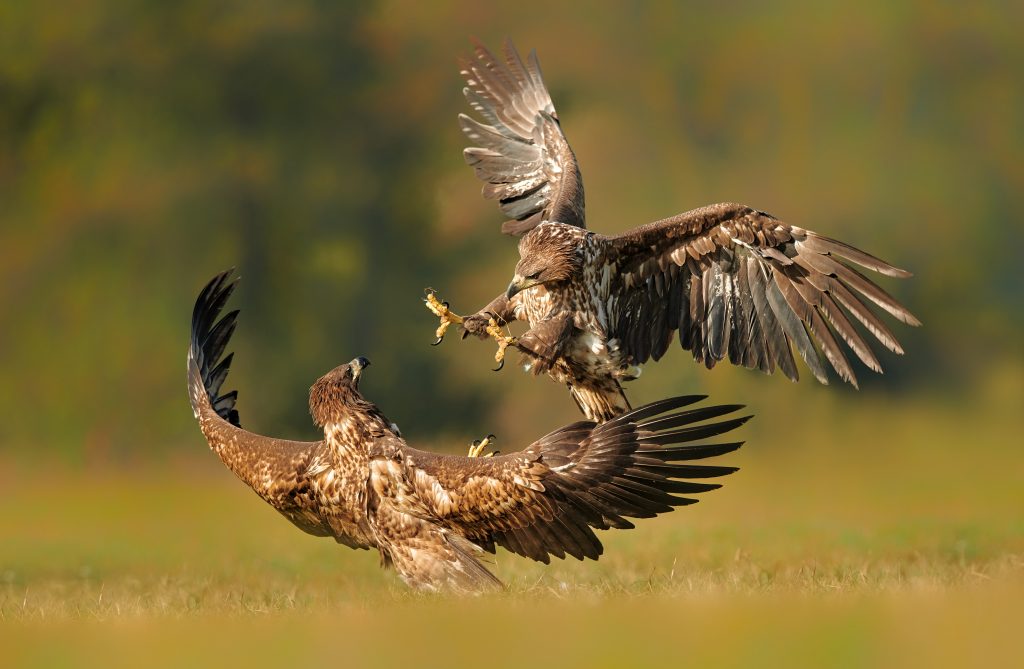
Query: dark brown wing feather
[274,468]
[741,284]
[206,370]
[523,158]
[549,498]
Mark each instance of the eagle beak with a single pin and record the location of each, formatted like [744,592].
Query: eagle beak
[358,365]
[518,285]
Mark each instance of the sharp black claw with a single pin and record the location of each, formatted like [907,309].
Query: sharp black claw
[465,333]
[445,304]
[500,366]
[439,340]
[491,437]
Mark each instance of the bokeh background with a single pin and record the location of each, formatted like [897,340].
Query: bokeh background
[313,145]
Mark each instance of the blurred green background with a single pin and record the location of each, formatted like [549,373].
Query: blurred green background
[145,146]
[314,147]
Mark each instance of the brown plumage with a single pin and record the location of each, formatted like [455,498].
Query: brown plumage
[734,282]
[432,516]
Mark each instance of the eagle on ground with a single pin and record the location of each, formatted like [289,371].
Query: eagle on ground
[733,281]
[433,516]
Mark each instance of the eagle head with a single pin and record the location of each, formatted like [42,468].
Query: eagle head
[548,254]
[336,391]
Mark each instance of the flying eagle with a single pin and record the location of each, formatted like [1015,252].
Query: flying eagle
[733,281]
[432,516]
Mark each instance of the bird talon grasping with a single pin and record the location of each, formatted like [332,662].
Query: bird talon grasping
[504,341]
[448,317]
[479,445]
[442,311]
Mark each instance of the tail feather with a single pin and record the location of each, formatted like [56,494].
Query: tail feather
[206,370]
[435,559]
[600,403]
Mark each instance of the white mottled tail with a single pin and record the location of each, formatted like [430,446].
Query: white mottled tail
[435,559]
[600,404]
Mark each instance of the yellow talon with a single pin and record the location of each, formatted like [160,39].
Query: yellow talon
[495,331]
[448,317]
[442,311]
[478,446]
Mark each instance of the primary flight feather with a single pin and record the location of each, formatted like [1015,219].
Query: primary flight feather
[732,281]
[431,516]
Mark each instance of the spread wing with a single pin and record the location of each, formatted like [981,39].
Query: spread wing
[276,469]
[523,158]
[740,283]
[548,499]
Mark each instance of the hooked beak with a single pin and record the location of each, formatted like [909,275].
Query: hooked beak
[518,285]
[358,365]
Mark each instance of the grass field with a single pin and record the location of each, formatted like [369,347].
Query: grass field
[838,551]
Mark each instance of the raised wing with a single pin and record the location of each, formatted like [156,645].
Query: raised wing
[740,283]
[548,499]
[523,158]
[274,468]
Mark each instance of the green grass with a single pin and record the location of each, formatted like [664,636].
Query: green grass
[826,549]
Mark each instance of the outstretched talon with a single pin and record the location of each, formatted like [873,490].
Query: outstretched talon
[478,446]
[442,311]
[447,316]
[504,341]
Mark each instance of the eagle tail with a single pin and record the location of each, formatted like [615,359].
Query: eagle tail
[437,559]
[210,336]
[472,575]
[600,403]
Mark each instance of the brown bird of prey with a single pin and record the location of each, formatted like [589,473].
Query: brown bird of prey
[432,516]
[733,281]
